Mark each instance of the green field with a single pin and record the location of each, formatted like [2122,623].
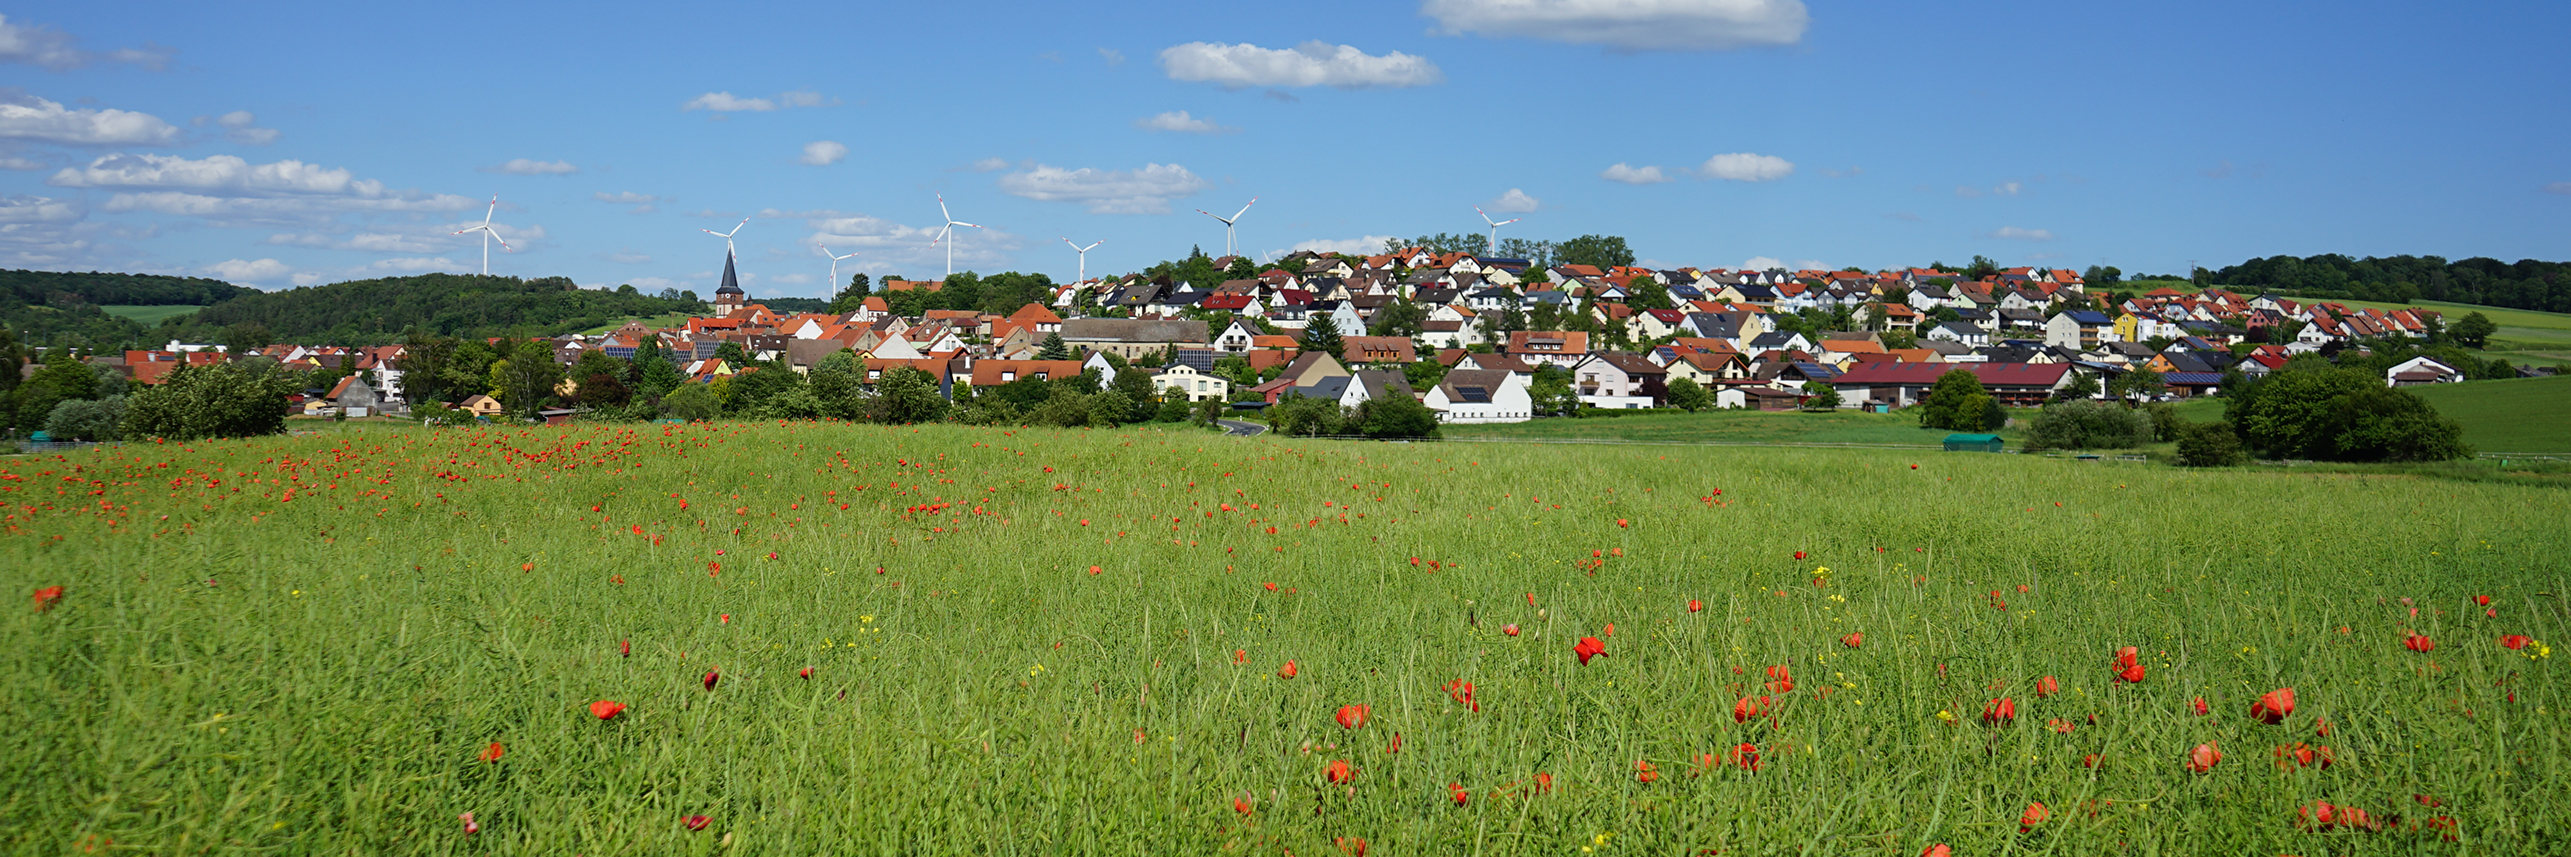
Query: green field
[2524,336]
[2521,415]
[1725,427]
[655,323]
[151,316]
[1070,642]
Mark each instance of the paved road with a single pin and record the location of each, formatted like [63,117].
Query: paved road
[1242,429]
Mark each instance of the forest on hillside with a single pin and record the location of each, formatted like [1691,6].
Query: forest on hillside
[2525,284]
[41,307]
[380,311]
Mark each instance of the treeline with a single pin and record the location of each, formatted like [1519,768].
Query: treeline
[383,311]
[45,307]
[2525,284]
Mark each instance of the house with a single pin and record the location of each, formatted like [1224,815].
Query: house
[2417,371]
[1370,384]
[1558,347]
[1366,350]
[482,406]
[1778,340]
[1469,396]
[1237,337]
[1180,379]
[1132,338]
[1757,398]
[1901,385]
[1620,379]
[1310,367]
[1960,332]
[2079,330]
[354,397]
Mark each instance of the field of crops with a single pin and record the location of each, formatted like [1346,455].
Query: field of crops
[823,639]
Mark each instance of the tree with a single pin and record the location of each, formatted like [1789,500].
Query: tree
[2083,386]
[693,403]
[1298,416]
[854,296]
[1400,318]
[2101,278]
[194,402]
[247,338]
[2290,413]
[1204,413]
[1687,395]
[2143,383]
[1820,397]
[1982,267]
[1054,348]
[1552,392]
[64,378]
[1321,334]
[526,377]
[2379,423]
[654,375]
[1646,293]
[1957,401]
[1395,416]
[1598,251]
[906,395]
[86,419]
[2473,330]
[2209,445]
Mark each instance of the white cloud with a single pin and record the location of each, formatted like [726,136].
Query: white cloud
[1633,175]
[528,167]
[411,238]
[799,99]
[1112,56]
[39,209]
[1368,245]
[2005,189]
[628,257]
[642,202]
[1313,63]
[13,162]
[792,280]
[987,165]
[2563,188]
[302,279]
[822,153]
[28,117]
[1746,167]
[37,45]
[1762,263]
[2012,233]
[1144,191]
[1515,201]
[242,126]
[240,271]
[887,246]
[1179,121]
[725,102]
[1629,25]
[415,266]
[232,191]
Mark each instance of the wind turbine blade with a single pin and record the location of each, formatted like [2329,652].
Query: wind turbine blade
[1213,215]
[495,206]
[1244,209]
[974,225]
[736,228]
[941,209]
[1508,221]
[504,243]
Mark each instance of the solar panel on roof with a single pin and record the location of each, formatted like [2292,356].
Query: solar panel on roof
[1475,395]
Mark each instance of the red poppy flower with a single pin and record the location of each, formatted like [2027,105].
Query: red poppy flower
[1509,629]
[1747,708]
[697,822]
[2273,706]
[1244,803]
[2418,643]
[1587,648]
[1608,631]
[1800,554]
[1620,522]
[1462,692]
[625,648]
[1287,671]
[1094,570]
[1338,772]
[492,753]
[1643,771]
[2060,725]
[712,676]
[2035,814]
[2515,641]
[1937,850]
[1350,845]
[2000,712]
[2202,709]
[2203,758]
[1353,716]
[2132,674]
[2047,686]
[606,709]
[2127,656]
[1456,790]
[2482,600]
[46,597]
[1271,586]
[1745,756]
[1695,606]
[806,673]
[1853,640]
[1394,747]
[1240,656]
[2089,761]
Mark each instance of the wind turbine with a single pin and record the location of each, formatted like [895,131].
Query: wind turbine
[487,234]
[1228,248]
[727,236]
[1084,257]
[834,270]
[1494,246]
[947,233]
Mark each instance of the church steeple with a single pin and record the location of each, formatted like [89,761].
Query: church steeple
[729,297]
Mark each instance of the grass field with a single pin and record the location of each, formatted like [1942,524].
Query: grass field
[1065,642]
[1726,427]
[2521,415]
[151,316]
[2524,336]
[656,323]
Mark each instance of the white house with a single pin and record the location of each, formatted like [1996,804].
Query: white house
[1196,386]
[1482,396]
[2417,371]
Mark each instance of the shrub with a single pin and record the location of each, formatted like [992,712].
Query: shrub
[2088,424]
[1958,402]
[1297,416]
[2209,445]
[2392,424]
[86,419]
[1687,395]
[1823,397]
[692,402]
[1395,416]
[241,399]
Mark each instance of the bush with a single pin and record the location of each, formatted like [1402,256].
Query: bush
[2088,424]
[243,399]
[1957,402]
[1297,416]
[692,402]
[2165,422]
[2209,445]
[2392,424]
[2341,415]
[1823,397]
[988,411]
[1395,416]
[1687,395]
[86,419]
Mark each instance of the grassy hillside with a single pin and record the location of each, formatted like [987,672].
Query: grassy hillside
[151,315]
[1721,427]
[2523,415]
[855,639]
[2524,336]
[469,306]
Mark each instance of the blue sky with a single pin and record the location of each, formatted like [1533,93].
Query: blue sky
[284,143]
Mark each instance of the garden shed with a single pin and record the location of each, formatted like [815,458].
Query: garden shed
[1973,443]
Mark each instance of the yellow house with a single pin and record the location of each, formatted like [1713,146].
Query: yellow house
[481,406]
[2126,324]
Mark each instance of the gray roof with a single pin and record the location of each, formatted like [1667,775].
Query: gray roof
[1328,388]
[1132,330]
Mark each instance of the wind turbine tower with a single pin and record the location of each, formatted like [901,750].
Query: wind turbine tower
[1229,248]
[946,234]
[728,295]
[487,235]
[1494,247]
[834,272]
[1084,258]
